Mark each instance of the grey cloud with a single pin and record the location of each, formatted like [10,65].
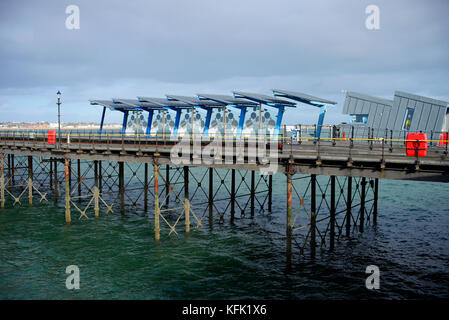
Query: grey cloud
[155,47]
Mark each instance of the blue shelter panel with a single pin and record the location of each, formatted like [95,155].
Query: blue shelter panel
[216,123]
[185,121]
[266,121]
[163,123]
[136,123]
[234,118]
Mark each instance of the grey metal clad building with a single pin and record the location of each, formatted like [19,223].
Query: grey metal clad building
[406,113]
[366,112]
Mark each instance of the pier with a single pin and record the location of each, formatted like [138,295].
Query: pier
[331,184]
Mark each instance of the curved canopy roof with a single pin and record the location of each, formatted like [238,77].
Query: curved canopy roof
[301,97]
[261,98]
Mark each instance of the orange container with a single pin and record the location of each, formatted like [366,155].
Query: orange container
[416,143]
[51,136]
[443,139]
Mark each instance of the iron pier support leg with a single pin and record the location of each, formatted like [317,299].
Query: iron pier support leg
[51,173]
[332,214]
[12,170]
[376,196]
[30,180]
[100,177]
[270,192]
[68,219]
[313,215]
[232,195]
[2,180]
[70,174]
[145,188]
[167,185]
[9,169]
[348,207]
[186,198]
[96,172]
[79,177]
[121,183]
[55,172]
[211,197]
[289,214]
[96,192]
[362,205]
[157,230]
[253,191]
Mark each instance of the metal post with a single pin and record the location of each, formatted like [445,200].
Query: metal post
[289,213]
[391,140]
[121,182]
[376,195]
[313,215]
[79,177]
[100,177]
[70,174]
[167,185]
[55,172]
[13,171]
[270,192]
[362,205]
[145,188]
[59,118]
[9,169]
[232,195]
[253,185]
[2,181]
[351,144]
[51,173]
[211,196]
[157,229]
[96,172]
[96,200]
[348,206]
[67,192]
[332,214]
[186,200]
[30,180]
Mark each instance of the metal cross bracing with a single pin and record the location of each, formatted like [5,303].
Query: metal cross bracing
[320,209]
[83,194]
[224,191]
[17,180]
[228,191]
[323,208]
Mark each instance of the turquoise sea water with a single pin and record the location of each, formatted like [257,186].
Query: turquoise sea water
[119,259]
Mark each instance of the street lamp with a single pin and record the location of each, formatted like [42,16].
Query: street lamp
[58,94]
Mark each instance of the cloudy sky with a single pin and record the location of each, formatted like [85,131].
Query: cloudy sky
[125,49]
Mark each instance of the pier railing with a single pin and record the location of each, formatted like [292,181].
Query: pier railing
[298,146]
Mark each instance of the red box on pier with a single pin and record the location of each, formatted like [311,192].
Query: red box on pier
[416,143]
[444,137]
[51,137]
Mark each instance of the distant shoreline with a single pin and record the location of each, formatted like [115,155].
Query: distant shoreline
[49,126]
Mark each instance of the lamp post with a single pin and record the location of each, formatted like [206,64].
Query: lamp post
[58,94]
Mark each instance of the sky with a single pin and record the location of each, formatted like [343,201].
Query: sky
[125,49]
